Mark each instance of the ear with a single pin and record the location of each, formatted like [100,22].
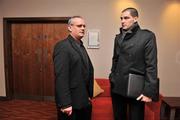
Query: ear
[69,28]
[135,19]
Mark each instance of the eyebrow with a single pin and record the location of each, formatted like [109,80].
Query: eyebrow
[126,17]
[80,25]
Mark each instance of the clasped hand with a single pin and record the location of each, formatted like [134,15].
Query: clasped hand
[67,110]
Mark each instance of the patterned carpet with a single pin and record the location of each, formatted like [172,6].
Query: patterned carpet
[27,110]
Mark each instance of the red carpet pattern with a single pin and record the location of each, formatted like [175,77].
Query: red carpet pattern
[27,110]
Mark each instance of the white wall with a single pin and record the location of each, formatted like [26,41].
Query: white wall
[160,16]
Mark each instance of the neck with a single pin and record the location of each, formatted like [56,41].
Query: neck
[76,38]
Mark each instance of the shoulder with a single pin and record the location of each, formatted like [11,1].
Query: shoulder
[148,37]
[117,36]
[147,32]
[61,44]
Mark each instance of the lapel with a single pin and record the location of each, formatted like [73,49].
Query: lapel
[118,42]
[119,39]
[75,47]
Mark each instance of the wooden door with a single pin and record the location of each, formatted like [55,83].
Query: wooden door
[32,47]
[52,34]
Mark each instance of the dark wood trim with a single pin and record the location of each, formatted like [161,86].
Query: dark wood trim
[37,20]
[24,97]
[7,22]
[3,98]
[7,57]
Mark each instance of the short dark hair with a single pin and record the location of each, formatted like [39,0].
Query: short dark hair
[70,20]
[132,11]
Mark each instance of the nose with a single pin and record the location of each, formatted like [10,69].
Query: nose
[122,20]
[83,27]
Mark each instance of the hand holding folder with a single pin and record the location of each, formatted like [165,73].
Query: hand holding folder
[135,85]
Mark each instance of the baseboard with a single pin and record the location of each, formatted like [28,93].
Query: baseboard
[45,98]
[2,98]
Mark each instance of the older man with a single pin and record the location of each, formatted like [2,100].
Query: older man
[74,74]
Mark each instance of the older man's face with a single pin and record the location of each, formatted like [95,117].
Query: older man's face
[77,28]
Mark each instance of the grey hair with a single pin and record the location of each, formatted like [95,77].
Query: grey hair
[71,19]
[132,11]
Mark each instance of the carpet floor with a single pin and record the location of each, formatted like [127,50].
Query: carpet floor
[27,110]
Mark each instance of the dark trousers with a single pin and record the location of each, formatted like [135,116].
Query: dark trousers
[127,108]
[77,114]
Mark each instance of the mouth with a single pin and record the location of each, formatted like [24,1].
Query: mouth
[124,26]
[81,33]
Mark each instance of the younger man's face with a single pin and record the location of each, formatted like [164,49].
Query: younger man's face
[127,20]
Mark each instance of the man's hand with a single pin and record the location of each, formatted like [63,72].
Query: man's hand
[67,111]
[144,98]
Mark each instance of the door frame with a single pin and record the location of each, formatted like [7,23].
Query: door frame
[7,22]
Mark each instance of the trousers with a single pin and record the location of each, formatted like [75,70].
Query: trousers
[127,108]
[77,114]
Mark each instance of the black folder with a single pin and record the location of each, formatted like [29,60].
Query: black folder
[135,85]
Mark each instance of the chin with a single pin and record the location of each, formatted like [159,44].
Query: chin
[125,28]
[81,35]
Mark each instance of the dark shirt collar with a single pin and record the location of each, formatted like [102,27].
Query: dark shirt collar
[77,42]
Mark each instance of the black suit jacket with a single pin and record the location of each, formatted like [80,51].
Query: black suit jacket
[74,83]
[135,53]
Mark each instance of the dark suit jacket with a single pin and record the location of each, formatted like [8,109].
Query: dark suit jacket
[136,53]
[74,83]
